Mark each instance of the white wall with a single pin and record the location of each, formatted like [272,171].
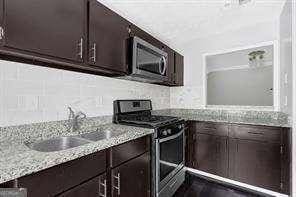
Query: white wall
[293,103]
[36,94]
[191,95]
[285,34]
[247,87]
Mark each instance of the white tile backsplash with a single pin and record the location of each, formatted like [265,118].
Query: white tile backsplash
[31,94]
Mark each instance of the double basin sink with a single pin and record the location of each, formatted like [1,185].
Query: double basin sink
[67,142]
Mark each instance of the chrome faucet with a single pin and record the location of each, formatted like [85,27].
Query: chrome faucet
[75,120]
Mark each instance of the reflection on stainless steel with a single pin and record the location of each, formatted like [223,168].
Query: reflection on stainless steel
[100,135]
[148,61]
[57,144]
[168,164]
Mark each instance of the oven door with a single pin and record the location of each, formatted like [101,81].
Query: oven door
[149,61]
[170,158]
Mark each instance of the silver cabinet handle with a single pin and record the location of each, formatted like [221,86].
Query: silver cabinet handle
[80,46]
[104,184]
[93,50]
[118,183]
[1,33]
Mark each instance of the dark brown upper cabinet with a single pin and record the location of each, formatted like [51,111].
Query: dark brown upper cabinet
[78,35]
[108,38]
[53,28]
[179,70]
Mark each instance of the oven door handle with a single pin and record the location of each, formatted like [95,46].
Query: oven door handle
[171,137]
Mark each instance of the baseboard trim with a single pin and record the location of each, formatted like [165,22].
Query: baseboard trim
[237,184]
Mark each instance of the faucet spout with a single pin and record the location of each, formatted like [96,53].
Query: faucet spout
[75,119]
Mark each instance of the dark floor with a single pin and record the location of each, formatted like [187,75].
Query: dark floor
[196,187]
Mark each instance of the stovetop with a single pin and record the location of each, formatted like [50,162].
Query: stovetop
[139,113]
[148,120]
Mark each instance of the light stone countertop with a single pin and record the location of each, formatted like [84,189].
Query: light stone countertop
[263,118]
[17,160]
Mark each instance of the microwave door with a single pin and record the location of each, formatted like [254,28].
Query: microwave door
[150,62]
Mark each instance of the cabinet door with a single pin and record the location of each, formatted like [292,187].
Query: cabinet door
[256,163]
[179,69]
[108,38]
[92,188]
[54,28]
[190,144]
[132,178]
[63,177]
[211,154]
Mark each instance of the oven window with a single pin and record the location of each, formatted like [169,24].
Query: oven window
[149,60]
[171,156]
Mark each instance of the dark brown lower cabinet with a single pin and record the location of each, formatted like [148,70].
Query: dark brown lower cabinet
[60,178]
[94,176]
[256,155]
[257,163]
[211,154]
[132,178]
[95,187]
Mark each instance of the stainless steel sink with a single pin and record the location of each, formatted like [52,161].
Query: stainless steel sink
[57,144]
[99,135]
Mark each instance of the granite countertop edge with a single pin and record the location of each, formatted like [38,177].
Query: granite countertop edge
[247,122]
[17,160]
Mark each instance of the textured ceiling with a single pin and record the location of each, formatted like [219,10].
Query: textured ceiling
[180,21]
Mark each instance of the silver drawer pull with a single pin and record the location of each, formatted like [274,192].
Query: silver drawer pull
[80,46]
[93,50]
[104,184]
[118,183]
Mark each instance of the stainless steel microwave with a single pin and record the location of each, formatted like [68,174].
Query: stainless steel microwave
[147,61]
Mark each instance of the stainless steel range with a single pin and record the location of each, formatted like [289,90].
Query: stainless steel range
[168,152]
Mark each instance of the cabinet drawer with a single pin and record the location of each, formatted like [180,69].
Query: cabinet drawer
[258,133]
[65,176]
[94,187]
[211,128]
[124,152]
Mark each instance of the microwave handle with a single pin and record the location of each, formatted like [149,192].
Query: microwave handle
[162,72]
[172,137]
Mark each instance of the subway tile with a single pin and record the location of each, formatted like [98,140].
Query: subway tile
[28,102]
[9,102]
[33,94]
[19,87]
[8,70]
[16,117]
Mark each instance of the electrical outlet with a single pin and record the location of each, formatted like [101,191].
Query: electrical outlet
[99,101]
[286,100]
[286,78]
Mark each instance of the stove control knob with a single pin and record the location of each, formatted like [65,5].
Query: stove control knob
[169,131]
[180,126]
[164,133]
